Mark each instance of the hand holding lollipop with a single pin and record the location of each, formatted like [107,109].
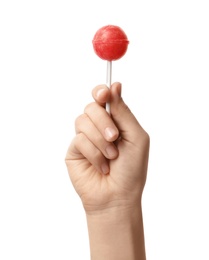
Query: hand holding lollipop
[110,43]
[107,163]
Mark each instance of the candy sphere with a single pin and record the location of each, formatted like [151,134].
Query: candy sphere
[110,42]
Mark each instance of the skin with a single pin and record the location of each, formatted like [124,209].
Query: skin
[107,163]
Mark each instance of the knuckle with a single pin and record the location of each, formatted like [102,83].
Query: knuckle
[80,119]
[88,107]
[79,139]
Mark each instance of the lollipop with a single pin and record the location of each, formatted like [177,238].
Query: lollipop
[110,43]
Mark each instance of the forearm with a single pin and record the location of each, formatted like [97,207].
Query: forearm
[117,235]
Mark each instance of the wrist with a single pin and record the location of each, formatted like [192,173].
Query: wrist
[125,203]
[117,233]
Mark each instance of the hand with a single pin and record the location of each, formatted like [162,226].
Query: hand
[107,160]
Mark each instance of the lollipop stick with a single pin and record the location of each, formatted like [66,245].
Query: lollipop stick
[108,80]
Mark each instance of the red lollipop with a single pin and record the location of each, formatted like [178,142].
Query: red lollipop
[110,43]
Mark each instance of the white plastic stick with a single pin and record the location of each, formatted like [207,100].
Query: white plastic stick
[109,80]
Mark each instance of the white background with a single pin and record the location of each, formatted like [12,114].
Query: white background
[47,71]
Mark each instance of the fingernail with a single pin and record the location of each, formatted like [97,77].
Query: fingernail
[105,168]
[99,92]
[111,151]
[110,133]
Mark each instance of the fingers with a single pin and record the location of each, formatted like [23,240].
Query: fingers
[82,148]
[102,121]
[95,134]
[85,126]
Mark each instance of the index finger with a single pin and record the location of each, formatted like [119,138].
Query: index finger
[101,94]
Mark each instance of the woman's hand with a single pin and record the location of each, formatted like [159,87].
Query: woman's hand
[108,158]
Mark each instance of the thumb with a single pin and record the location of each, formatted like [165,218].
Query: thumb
[128,126]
